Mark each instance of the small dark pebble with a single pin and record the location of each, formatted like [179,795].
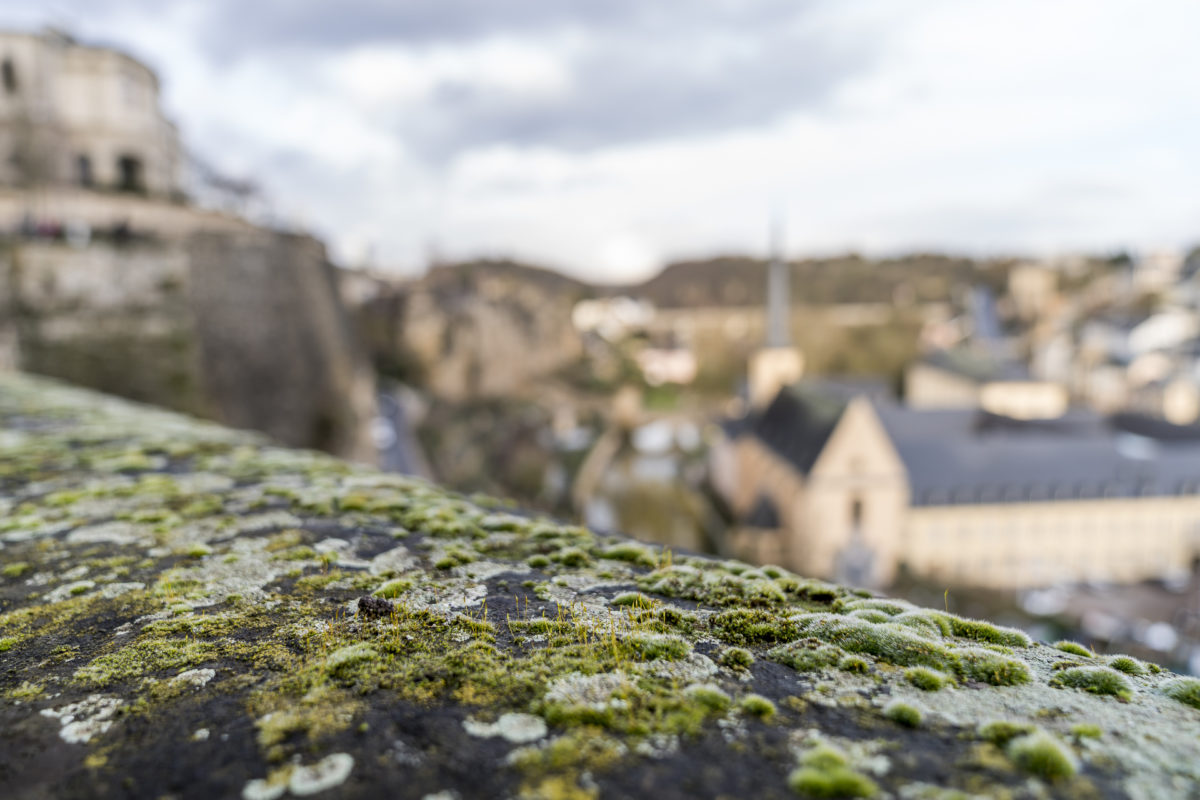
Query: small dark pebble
[373,607]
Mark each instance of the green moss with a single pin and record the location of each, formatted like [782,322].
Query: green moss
[144,657]
[632,552]
[26,691]
[881,604]
[926,679]
[990,667]
[1130,666]
[555,770]
[16,569]
[753,626]
[342,663]
[1096,680]
[634,599]
[454,557]
[736,658]
[980,631]
[7,643]
[1086,730]
[757,706]
[657,646]
[1001,732]
[806,655]
[870,615]
[1074,648]
[825,773]
[572,557]
[903,714]
[393,588]
[1185,690]
[854,664]
[709,695]
[1042,755]
[889,643]
[199,550]
[719,588]
[538,562]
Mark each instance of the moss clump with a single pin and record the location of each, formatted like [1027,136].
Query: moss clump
[929,624]
[736,658]
[981,631]
[572,557]
[806,655]
[1042,755]
[1128,665]
[659,647]
[882,604]
[1074,648]
[903,713]
[990,667]
[757,706]
[393,588]
[26,691]
[1086,730]
[854,664]
[889,643]
[16,569]
[1185,690]
[926,679]
[753,626]
[870,615]
[342,662]
[1096,680]
[555,770]
[199,550]
[7,643]
[142,658]
[718,587]
[1001,732]
[454,557]
[634,553]
[709,695]
[538,562]
[634,599]
[826,773]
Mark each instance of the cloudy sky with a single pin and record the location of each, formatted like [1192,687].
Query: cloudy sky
[603,137]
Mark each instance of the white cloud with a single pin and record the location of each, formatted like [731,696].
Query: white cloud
[984,127]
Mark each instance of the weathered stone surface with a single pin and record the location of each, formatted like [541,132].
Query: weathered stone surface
[179,617]
[244,327]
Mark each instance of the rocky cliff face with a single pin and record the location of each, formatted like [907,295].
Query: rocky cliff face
[243,327]
[477,330]
[186,611]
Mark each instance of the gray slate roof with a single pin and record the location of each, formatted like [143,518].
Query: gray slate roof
[957,456]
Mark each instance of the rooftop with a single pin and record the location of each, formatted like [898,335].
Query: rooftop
[957,456]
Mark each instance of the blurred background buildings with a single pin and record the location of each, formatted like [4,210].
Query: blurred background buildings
[1015,436]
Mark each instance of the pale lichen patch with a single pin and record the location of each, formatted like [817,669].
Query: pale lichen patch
[86,718]
[516,728]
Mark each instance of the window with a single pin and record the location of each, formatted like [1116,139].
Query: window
[129,174]
[8,76]
[83,170]
[856,512]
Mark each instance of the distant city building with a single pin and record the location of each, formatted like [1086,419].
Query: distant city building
[971,377]
[854,487]
[82,115]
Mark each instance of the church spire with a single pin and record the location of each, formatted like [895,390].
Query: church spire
[779,301]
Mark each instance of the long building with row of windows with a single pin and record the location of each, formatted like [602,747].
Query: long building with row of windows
[853,486]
